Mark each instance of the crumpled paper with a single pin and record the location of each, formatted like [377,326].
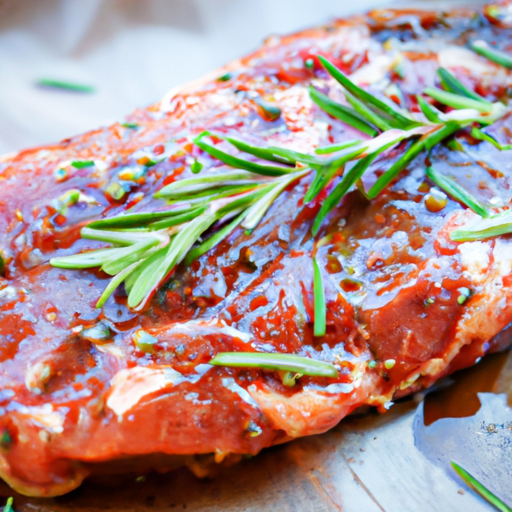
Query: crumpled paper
[131,51]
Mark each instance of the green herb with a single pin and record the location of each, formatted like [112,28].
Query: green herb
[5,440]
[196,167]
[458,101]
[428,141]
[472,482]
[202,196]
[69,86]
[66,200]
[98,334]
[215,239]
[453,85]
[398,119]
[132,126]
[276,154]
[389,363]
[325,174]
[295,156]
[144,341]
[465,293]
[480,135]
[144,219]
[146,247]
[70,197]
[80,164]
[319,301]
[379,114]
[2,265]
[257,210]
[8,506]
[332,148]
[115,191]
[309,64]
[382,122]
[347,182]
[270,361]
[225,78]
[482,228]
[190,187]
[430,112]
[453,189]
[263,153]
[496,56]
[289,379]
[345,114]
[239,163]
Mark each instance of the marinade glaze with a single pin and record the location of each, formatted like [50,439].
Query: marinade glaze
[75,388]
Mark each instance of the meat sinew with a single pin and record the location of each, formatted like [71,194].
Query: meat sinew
[82,386]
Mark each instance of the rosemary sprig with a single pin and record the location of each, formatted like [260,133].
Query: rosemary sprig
[333,148]
[319,327]
[341,112]
[239,163]
[156,268]
[273,154]
[251,149]
[146,247]
[457,101]
[496,56]
[147,219]
[455,86]
[60,84]
[482,228]
[429,111]
[378,119]
[440,126]
[8,506]
[216,238]
[349,179]
[427,142]
[453,189]
[326,173]
[396,119]
[258,209]
[80,164]
[480,135]
[271,361]
[472,482]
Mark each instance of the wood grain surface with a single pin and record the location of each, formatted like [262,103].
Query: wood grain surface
[370,462]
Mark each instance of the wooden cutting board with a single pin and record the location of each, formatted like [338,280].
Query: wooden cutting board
[370,462]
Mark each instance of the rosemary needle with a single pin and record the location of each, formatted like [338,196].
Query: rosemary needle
[271,361]
[68,86]
[319,298]
[480,489]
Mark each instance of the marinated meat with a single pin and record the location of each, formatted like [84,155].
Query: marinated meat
[406,305]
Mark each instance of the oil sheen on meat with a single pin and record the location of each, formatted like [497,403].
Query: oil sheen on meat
[73,399]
